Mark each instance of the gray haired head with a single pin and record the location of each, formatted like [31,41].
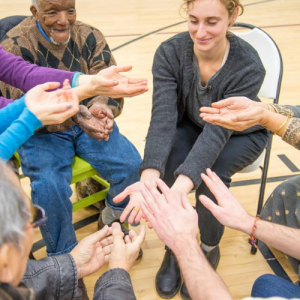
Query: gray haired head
[13,211]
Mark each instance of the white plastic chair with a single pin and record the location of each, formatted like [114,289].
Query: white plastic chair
[271,58]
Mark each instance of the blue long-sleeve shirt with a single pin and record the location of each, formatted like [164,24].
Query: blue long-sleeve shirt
[17,125]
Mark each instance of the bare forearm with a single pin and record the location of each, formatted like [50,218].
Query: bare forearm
[201,280]
[283,238]
[82,92]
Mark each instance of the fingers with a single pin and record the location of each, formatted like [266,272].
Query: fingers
[223,103]
[156,195]
[98,236]
[119,69]
[209,204]
[117,234]
[108,240]
[132,216]
[125,213]
[140,237]
[149,216]
[186,203]
[49,86]
[66,85]
[122,196]
[209,110]
[165,190]
[137,81]
[139,217]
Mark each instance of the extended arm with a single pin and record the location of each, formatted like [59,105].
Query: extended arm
[230,213]
[176,223]
[240,113]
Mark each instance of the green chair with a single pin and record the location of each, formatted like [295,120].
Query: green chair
[82,170]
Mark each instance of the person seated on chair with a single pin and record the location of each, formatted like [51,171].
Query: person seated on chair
[283,206]
[56,277]
[191,70]
[175,221]
[38,107]
[53,38]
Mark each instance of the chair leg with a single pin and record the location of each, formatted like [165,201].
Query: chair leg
[31,256]
[263,183]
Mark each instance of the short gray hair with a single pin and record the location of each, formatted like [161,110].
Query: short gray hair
[14,214]
[36,2]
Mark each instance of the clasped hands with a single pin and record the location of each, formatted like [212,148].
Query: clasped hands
[96,121]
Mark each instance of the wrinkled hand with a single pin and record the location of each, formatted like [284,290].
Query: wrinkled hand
[104,113]
[229,212]
[52,107]
[93,252]
[236,113]
[134,193]
[125,253]
[174,221]
[91,125]
[109,82]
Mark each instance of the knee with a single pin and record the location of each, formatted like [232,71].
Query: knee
[262,285]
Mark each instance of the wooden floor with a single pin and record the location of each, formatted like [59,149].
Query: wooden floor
[131,20]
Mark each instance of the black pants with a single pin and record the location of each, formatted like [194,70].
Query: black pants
[239,152]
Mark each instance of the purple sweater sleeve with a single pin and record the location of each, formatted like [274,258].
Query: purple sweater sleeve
[23,75]
[4,102]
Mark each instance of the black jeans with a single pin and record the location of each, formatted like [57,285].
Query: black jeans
[239,152]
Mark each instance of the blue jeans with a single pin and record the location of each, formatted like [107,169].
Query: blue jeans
[46,160]
[269,285]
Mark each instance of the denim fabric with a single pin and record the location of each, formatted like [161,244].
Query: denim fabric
[47,158]
[269,285]
[239,152]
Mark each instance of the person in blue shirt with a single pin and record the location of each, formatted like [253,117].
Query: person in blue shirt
[36,108]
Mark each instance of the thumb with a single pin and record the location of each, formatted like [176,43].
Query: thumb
[84,112]
[123,68]
[49,86]
[209,204]
[117,234]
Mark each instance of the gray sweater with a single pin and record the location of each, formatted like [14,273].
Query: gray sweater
[173,73]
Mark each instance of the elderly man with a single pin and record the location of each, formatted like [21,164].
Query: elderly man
[53,38]
[55,277]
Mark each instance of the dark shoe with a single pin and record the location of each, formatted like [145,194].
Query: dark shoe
[81,293]
[125,230]
[184,293]
[213,256]
[168,278]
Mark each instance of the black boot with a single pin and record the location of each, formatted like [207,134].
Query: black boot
[213,256]
[168,278]
[184,293]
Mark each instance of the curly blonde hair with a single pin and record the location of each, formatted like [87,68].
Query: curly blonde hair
[230,5]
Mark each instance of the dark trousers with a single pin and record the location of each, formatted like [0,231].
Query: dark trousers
[239,152]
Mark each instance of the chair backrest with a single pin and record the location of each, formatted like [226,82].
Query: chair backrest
[8,23]
[270,57]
